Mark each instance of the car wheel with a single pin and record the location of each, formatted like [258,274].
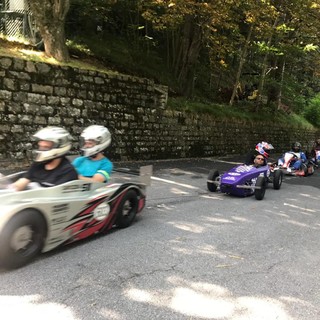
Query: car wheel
[213,176]
[305,169]
[277,179]
[262,184]
[127,209]
[22,239]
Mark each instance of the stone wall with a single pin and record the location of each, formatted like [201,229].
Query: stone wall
[34,95]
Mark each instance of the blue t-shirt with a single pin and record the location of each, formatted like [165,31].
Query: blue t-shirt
[88,167]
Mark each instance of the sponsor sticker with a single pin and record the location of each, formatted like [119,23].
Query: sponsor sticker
[101,211]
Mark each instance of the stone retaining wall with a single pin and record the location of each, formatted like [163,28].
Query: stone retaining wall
[34,95]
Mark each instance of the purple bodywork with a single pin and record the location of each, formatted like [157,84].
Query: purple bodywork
[238,180]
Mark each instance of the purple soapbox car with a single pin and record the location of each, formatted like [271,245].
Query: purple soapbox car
[245,180]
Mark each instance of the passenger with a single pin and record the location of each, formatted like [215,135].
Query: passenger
[299,159]
[262,148]
[94,166]
[50,166]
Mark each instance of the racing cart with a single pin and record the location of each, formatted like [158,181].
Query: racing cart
[41,219]
[245,180]
[286,166]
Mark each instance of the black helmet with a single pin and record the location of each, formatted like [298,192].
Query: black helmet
[296,146]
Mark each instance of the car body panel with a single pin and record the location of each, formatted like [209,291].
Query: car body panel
[74,210]
[240,180]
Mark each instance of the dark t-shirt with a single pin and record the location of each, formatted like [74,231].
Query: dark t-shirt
[49,178]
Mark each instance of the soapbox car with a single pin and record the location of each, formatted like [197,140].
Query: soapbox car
[245,180]
[286,163]
[41,219]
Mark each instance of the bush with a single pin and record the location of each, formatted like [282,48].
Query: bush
[312,111]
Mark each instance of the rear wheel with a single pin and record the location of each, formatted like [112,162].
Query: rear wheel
[261,183]
[304,167]
[212,177]
[277,179]
[22,239]
[128,209]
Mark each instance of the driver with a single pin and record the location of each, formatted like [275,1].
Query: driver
[50,166]
[315,152]
[94,166]
[259,161]
[300,157]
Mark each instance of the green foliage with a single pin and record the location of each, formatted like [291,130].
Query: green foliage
[312,111]
[242,112]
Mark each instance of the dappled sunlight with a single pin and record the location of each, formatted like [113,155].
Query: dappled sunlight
[110,314]
[164,207]
[179,191]
[307,211]
[140,295]
[260,308]
[219,220]
[31,52]
[32,307]
[211,197]
[204,300]
[240,219]
[207,250]
[300,224]
[309,196]
[176,171]
[188,186]
[190,227]
[197,304]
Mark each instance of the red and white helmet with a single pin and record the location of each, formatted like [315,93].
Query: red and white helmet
[264,148]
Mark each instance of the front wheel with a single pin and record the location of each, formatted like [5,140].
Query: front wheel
[22,239]
[127,209]
[212,180]
[277,179]
[261,184]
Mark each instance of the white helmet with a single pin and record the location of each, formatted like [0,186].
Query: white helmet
[100,135]
[61,143]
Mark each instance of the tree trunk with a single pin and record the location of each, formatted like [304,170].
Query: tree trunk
[241,63]
[188,54]
[281,84]
[264,69]
[49,16]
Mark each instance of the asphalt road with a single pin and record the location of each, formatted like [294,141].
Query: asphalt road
[191,254]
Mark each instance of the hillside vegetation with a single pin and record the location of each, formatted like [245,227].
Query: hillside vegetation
[234,59]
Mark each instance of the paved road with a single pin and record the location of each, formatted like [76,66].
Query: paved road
[191,254]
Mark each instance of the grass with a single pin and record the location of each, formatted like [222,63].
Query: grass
[239,112]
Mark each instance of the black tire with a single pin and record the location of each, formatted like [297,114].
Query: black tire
[304,167]
[127,209]
[262,184]
[22,239]
[277,179]
[213,175]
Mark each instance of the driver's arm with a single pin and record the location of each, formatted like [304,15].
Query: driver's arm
[96,178]
[20,184]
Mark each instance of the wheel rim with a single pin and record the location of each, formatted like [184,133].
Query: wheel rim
[127,206]
[21,238]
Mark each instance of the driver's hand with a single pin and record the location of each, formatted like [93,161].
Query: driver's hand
[11,187]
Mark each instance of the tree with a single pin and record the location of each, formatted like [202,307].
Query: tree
[49,16]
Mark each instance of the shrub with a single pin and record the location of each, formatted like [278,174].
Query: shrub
[312,111]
